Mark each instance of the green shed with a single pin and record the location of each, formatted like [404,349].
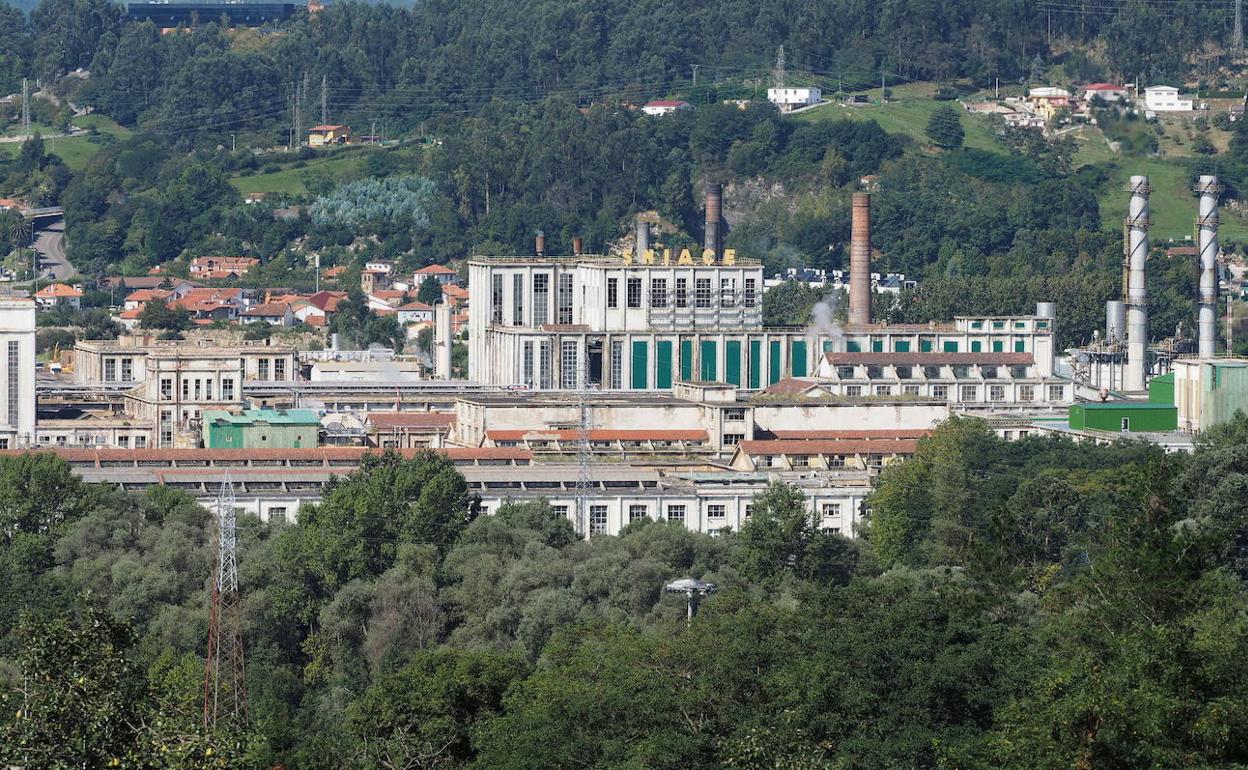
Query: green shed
[261,428]
[1120,416]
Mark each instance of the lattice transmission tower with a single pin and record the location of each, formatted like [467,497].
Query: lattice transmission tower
[225,684]
[584,458]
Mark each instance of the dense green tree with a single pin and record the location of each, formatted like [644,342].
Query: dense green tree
[782,536]
[159,315]
[430,291]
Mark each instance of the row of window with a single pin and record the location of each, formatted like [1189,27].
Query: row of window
[541,298]
[928,345]
[111,365]
[703,297]
[960,372]
[199,388]
[966,393]
[140,442]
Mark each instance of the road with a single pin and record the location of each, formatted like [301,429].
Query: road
[50,245]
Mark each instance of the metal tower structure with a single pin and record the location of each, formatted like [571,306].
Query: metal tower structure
[584,459]
[225,685]
[1237,39]
[25,108]
[777,75]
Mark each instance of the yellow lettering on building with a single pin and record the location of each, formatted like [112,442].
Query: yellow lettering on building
[667,257]
[708,257]
[685,258]
[648,257]
[730,256]
[628,258]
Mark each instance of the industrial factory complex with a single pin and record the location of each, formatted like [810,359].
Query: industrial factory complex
[635,384]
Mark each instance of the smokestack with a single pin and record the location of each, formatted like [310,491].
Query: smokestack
[1207,230]
[643,239]
[860,260]
[577,243]
[442,340]
[1115,320]
[714,206]
[540,243]
[1137,291]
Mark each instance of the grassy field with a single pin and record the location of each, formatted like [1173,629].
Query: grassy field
[1172,207]
[290,179]
[907,114]
[74,150]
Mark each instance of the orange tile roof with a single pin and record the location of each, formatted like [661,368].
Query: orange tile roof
[59,290]
[435,270]
[847,435]
[267,309]
[415,306]
[147,295]
[791,386]
[451,290]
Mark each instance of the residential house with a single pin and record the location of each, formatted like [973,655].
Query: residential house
[789,99]
[221,267]
[321,136]
[1165,99]
[372,280]
[59,294]
[1047,101]
[207,305]
[138,298]
[408,430]
[1106,92]
[276,313]
[665,107]
[415,313]
[442,273]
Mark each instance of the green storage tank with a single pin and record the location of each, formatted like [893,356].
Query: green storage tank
[1125,416]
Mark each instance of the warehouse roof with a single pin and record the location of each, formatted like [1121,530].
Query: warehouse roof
[929,359]
[269,416]
[875,447]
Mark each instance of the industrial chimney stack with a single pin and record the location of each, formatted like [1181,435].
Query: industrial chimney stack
[643,239]
[442,340]
[860,261]
[1207,231]
[1137,292]
[539,243]
[714,214]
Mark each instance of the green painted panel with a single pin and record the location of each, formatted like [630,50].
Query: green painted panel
[686,360]
[852,346]
[1020,346]
[663,361]
[1139,416]
[902,346]
[925,345]
[732,362]
[877,346]
[998,346]
[709,369]
[773,362]
[756,363]
[976,346]
[641,355]
[950,346]
[798,363]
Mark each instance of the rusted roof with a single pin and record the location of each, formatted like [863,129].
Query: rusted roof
[540,434]
[929,359]
[848,435]
[875,447]
[390,420]
[791,386]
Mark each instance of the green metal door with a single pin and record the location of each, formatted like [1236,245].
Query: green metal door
[641,354]
[732,362]
[798,363]
[756,363]
[663,360]
[709,367]
[686,360]
[773,362]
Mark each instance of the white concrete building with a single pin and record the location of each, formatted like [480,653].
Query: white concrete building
[17,344]
[789,99]
[1165,99]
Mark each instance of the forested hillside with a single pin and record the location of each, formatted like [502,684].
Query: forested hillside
[1020,604]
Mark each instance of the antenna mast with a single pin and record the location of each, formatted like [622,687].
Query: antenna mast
[324,99]
[25,108]
[225,686]
[778,74]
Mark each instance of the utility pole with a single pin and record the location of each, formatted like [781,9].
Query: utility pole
[778,74]
[324,100]
[25,108]
[225,686]
[695,74]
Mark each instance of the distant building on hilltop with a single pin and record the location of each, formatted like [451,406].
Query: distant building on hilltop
[1165,99]
[665,107]
[789,99]
[320,136]
[239,13]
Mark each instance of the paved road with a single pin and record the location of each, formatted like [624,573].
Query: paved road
[50,245]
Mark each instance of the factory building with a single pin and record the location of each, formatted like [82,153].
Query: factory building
[1208,392]
[17,343]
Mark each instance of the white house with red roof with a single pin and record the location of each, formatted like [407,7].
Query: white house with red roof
[59,294]
[662,107]
[415,313]
[1106,92]
[442,273]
